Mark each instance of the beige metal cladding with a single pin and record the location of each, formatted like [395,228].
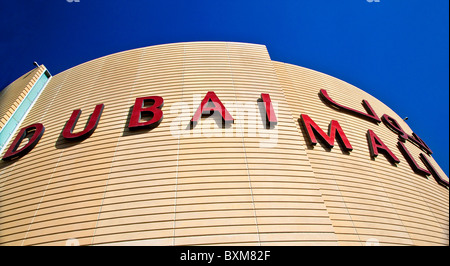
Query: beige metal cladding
[366,199]
[14,93]
[210,185]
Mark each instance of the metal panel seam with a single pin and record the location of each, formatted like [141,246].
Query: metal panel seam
[245,154]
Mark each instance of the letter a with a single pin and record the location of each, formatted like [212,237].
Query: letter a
[376,146]
[211,97]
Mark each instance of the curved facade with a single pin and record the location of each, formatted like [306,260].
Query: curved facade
[243,183]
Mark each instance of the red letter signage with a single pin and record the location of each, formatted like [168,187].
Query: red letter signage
[376,146]
[88,130]
[393,125]
[434,173]
[36,129]
[419,142]
[271,119]
[414,166]
[154,110]
[211,98]
[334,130]
[371,115]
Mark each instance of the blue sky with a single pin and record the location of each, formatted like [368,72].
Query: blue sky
[396,50]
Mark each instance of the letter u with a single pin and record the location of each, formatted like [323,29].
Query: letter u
[88,130]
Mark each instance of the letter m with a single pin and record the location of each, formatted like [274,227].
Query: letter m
[334,130]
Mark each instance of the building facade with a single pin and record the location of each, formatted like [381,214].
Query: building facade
[258,168]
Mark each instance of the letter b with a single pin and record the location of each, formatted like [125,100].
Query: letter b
[139,109]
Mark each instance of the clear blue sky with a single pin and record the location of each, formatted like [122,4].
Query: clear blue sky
[396,50]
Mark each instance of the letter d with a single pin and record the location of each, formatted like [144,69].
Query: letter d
[36,129]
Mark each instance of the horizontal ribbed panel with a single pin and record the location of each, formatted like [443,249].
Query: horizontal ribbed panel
[238,185]
[210,185]
[366,199]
